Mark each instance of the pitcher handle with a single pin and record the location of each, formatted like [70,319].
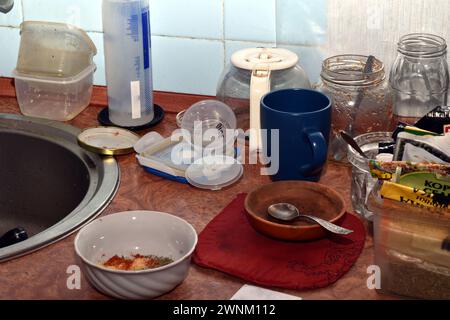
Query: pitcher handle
[259,86]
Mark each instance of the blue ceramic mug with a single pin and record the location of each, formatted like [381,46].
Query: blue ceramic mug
[303,118]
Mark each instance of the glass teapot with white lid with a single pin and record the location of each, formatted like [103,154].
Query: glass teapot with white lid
[254,72]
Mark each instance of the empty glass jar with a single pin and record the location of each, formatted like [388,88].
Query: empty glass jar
[419,77]
[361,99]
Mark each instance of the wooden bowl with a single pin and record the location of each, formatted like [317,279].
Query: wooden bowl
[310,198]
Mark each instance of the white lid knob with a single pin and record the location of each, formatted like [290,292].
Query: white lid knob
[272,58]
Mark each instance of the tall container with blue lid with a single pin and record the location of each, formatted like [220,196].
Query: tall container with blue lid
[127,44]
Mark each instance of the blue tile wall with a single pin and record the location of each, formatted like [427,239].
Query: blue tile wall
[14,17]
[310,58]
[86,14]
[9,39]
[250,20]
[192,40]
[201,19]
[301,22]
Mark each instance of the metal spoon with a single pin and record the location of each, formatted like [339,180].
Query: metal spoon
[368,68]
[347,138]
[289,212]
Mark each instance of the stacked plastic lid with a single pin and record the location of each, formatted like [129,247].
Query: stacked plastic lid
[214,172]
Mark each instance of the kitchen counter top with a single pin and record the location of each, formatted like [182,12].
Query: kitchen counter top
[43,274]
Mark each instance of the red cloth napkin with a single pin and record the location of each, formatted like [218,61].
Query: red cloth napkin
[229,244]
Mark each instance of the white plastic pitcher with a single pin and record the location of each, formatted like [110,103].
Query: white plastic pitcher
[127,43]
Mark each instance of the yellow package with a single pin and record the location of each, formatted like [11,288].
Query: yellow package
[412,196]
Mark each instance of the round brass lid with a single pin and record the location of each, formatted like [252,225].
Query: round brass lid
[109,141]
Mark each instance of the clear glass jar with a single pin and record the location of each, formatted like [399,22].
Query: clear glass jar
[362,181]
[419,77]
[344,81]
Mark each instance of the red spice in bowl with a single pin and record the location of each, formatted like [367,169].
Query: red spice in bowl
[136,262]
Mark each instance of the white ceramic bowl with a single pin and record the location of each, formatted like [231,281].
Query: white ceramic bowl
[132,232]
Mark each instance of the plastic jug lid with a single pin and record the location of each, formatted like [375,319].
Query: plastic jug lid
[55,50]
[214,172]
[46,30]
[272,58]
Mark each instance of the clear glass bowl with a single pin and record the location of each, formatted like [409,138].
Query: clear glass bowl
[362,181]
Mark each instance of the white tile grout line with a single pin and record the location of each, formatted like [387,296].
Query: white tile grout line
[275,11]
[224,62]
[223,39]
[23,10]
[169,36]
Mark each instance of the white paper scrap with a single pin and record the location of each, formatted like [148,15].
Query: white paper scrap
[249,292]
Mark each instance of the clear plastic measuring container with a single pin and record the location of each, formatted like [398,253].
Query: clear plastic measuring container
[127,43]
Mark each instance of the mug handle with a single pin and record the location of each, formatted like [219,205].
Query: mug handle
[319,149]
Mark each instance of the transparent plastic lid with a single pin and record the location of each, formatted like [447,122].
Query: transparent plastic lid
[209,118]
[214,172]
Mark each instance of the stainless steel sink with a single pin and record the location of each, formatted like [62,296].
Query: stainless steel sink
[48,184]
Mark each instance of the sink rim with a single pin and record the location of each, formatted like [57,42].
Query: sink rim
[99,195]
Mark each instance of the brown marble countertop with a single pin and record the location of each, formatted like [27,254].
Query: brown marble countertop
[42,274]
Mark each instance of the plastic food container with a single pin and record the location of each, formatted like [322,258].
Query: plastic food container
[408,249]
[55,69]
